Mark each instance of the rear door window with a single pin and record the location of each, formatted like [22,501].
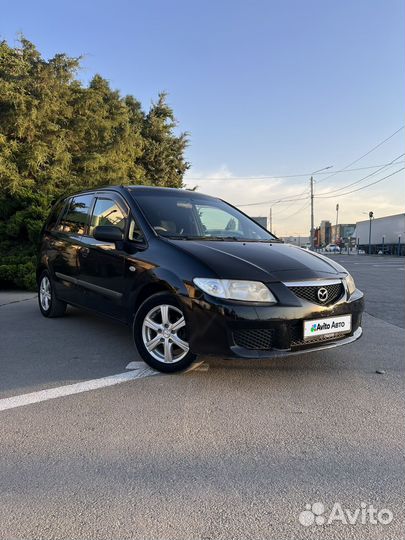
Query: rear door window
[55,214]
[75,219]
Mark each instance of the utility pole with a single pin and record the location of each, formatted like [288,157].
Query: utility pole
[312,214]
[337,221]
[271,219]
[312,205]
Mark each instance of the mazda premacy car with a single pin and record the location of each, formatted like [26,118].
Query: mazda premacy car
[191,275]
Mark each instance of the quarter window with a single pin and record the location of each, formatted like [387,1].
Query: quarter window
[108,212]
[76,217]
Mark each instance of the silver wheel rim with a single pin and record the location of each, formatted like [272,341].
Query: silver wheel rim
[163,333]
[45,293]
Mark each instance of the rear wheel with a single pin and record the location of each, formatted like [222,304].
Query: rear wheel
[49,305]
[161,334]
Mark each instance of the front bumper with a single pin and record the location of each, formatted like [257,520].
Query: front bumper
[237,330]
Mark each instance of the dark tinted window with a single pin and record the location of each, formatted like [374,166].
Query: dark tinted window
[108,212]
[55,213]
[76,216]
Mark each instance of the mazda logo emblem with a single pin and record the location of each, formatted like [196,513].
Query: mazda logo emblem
[322,294]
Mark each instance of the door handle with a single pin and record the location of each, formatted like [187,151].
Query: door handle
[84,251]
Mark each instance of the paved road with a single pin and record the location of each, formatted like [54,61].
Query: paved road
[233,452]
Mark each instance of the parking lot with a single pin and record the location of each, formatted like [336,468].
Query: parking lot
[232,449]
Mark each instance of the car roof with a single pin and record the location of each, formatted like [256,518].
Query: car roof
[146,190]
[165,191]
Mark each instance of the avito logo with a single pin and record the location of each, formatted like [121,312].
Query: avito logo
[327,326]
[316,514]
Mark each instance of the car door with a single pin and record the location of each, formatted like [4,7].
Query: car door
[66,243]
[103,264]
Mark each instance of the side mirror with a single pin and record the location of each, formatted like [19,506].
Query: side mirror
[108,233]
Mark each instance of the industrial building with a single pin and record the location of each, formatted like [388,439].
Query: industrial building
[382,235]
[342,233]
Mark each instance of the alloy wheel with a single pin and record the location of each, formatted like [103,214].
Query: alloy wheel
[163,334]
[45,294]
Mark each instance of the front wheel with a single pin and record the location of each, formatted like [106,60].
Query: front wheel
[161,334]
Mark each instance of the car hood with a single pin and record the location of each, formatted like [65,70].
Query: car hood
[260,261]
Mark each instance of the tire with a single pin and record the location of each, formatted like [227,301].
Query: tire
[160,322]
[49,305]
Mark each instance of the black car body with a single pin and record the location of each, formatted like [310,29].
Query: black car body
[113,249]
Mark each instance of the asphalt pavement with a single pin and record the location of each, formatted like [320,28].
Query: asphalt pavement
[235,451]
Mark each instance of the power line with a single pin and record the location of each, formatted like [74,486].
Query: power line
[364,155]
[275,201]
[306,205]
[300,197]
[363,187]
[275,177]
[393,162]
[343,194]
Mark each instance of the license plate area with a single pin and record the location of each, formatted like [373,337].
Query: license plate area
[327,326]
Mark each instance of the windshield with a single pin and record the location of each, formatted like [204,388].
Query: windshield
[199,218]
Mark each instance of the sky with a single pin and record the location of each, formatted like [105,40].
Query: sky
[265,88]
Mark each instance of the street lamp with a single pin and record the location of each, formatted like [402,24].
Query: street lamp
[312,203]
[371,216]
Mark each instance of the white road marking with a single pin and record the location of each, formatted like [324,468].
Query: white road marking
[198,366]
[70,389]
[138,370]
[195,366]
[137,365]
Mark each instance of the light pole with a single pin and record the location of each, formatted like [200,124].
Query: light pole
[370,215]
[312,203]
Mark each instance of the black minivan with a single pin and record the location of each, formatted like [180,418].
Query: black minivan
[191,275]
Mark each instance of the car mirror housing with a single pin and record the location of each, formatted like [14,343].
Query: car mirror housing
[108,233]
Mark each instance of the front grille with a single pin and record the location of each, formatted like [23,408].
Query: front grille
[256,339]
[310,293]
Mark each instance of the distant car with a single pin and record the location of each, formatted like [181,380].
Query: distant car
[191,275]
[332,248]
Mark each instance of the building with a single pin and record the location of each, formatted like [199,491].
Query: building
[317,237]
[387,235]
[342,233]
[261,221]
[325,233]
[301,241]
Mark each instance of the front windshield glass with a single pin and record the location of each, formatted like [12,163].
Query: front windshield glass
[199,218]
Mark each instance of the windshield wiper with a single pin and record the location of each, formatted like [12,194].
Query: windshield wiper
[219,238]
[191,237]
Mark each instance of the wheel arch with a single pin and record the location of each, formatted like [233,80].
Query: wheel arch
[40,268]
[162,281]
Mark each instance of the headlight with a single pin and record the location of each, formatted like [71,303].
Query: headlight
[232,289]
[351,286]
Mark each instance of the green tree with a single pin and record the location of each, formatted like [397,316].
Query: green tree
[58,136]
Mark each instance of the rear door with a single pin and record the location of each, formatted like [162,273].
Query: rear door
[68,239]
